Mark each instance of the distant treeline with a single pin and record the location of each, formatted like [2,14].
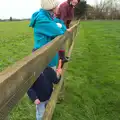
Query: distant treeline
[3,20]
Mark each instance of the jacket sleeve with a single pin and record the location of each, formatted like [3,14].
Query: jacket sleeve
[32,94]
[68,23]
[47,27]
[56,79]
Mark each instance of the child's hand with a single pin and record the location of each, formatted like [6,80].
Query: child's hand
[69,30]
[59,71]
[37,101]
[59,64]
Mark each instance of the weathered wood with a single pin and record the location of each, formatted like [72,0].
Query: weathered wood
[16,80]
[52,102]
[7,118]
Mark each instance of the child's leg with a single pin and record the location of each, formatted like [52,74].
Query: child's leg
[40,109]
[62,57]
[62,54]
[59,64]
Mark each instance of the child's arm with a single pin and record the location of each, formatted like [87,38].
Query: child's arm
[48,27]
[59,64]
[57,75]
[32,95]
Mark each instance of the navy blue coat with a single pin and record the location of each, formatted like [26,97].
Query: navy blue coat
[43,86]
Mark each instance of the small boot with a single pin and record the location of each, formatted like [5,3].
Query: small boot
[62,56]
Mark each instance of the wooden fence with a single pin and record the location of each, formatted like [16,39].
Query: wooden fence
[16,80]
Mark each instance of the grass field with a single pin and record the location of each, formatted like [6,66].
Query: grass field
[92,81]
[16,41]
[92,87]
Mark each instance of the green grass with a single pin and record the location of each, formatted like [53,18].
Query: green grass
[92,86]
[16,41]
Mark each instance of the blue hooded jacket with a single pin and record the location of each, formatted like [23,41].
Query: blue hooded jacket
[46,29]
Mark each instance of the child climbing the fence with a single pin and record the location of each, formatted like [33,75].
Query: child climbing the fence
[41,90]
[46,26]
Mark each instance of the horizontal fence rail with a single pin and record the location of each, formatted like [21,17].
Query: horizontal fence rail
[16,80]
[53,100]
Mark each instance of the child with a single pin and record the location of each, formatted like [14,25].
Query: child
[46,27]
[41,90]
[65,12]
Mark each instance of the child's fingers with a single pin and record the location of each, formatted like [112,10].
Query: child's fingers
[37,102]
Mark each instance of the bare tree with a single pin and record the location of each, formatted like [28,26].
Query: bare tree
[107,9]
